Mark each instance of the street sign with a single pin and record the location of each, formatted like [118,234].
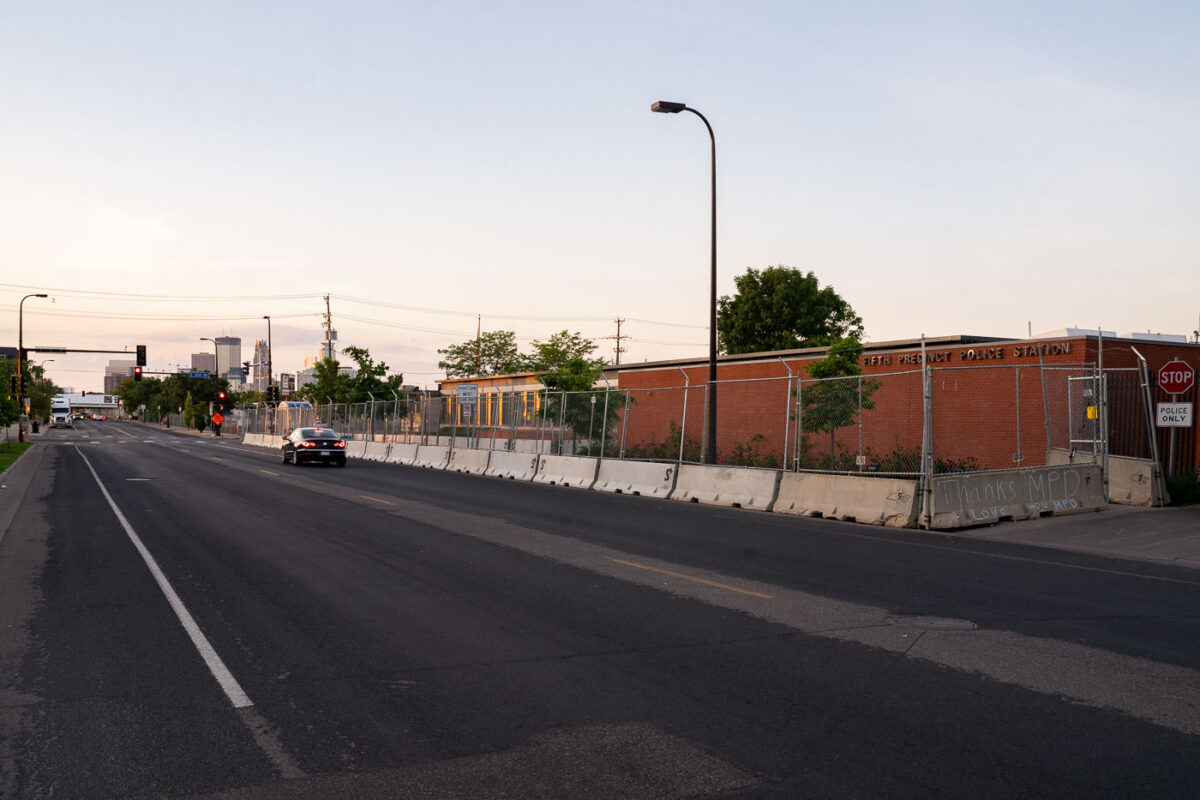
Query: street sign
[1176,377]
[1174,415]
[468,393]
[218,418]
[198,374]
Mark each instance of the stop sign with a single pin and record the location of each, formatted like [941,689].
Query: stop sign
[1176,377]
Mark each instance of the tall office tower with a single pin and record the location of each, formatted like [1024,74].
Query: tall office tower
[229,354]
[261,365]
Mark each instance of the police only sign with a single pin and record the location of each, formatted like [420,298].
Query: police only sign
[1174,415]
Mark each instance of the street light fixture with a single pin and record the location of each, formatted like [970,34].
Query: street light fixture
[710,454]
[20,360]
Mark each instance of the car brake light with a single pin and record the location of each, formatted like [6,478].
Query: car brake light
[340,444]
[307,444]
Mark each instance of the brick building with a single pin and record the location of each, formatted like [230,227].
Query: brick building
[995,403]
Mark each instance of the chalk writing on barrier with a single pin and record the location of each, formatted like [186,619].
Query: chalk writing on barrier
[990,497]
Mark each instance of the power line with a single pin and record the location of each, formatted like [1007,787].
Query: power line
[185,298]
[43,312]
[309,296]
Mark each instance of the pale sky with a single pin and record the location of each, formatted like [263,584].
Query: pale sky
[174,170]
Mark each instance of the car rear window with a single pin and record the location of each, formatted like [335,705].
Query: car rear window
[319,433]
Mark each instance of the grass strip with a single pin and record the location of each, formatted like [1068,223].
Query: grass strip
[10,452]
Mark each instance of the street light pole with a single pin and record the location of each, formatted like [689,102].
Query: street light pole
[216,373]
[20,364]
[710,454]
[270,368]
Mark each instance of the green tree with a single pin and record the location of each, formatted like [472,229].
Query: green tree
[491,353]
[9,411]
[135,394]
[371,379]
[561,350]
[570,379]
[40,390]
[195,412]
[780,308]
[330,384]
[832,401]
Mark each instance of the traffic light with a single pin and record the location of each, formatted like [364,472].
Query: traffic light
[221,400]
[137,373]
[141,355]
[12,383]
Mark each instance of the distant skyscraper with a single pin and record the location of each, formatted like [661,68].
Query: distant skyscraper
[260,365]
[229,354]
[116,371]
[204,362]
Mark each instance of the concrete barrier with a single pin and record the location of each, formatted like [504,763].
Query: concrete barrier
[740,487]
[964,499]
[567,471]
[875,501]
[401,453]
[356,448]
[1131,481]
[376,451]
[651,478]
[530,446]
[249,439]
[472,461]
[518,466]
[432,456]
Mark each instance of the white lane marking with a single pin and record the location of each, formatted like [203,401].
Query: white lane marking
[216,666]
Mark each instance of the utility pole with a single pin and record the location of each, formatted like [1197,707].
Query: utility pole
[618,349]
[478,344]
[328,330]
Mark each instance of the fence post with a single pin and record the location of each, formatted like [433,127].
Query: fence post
[787,412]
[683,425]
[926,440]
[545,397]
[562,422]
[625,423]
[799,420]
[1019,456]
[1158,474]
[604,422]
[859,457]
[1046,403]
[1104,411]
[517,414]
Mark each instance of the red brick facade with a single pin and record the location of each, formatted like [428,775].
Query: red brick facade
[976,410]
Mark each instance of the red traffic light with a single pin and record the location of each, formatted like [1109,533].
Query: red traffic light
[137,373]
[220,395]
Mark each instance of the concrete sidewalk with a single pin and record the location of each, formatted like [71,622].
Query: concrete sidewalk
[1162,535]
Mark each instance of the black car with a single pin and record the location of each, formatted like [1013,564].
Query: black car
[314,444]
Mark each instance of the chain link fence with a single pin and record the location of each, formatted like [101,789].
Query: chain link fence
[923,421]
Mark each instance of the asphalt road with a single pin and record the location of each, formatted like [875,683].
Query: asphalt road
[190,617]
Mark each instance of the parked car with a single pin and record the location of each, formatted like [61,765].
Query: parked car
[314,444]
